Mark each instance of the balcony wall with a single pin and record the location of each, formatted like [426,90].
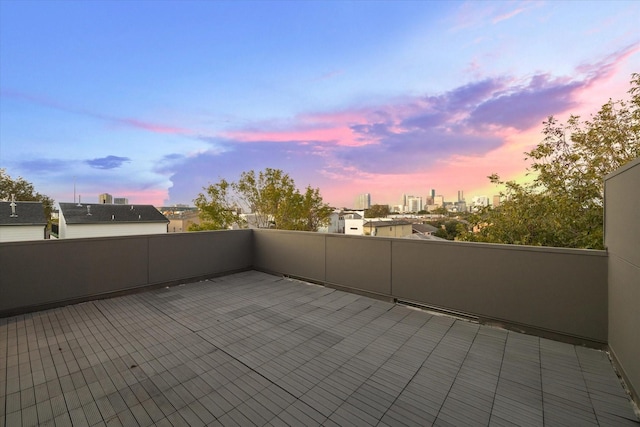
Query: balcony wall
[622,239]
[560,293]
[45,273]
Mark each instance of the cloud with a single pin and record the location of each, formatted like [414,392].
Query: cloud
[109,162]
[44,166]
[508,15]
[151,127]
[329,75]
[524,107]
[121,121]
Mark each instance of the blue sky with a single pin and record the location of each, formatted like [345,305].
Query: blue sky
[154,100]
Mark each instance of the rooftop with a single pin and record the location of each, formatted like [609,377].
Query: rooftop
[92,213]
[257,349]
[22,213]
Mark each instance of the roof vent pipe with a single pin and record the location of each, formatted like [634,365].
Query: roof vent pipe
[79,200]
[88,210]
[13,206]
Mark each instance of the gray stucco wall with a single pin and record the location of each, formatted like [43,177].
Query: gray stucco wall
[622,239]
[292,253]
[560,292]
[551,289]
[36,274]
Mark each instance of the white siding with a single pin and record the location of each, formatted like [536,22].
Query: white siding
[354,226]
[17,233]
[75,231]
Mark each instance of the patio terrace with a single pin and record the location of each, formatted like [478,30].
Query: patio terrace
[256,349]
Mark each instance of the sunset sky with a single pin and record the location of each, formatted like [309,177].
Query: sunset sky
[154,100]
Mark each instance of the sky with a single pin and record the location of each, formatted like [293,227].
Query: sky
[154,100]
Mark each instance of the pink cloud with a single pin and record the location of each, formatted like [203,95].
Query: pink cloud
[508,15]
[148,196]
[129,122]
[332,128]
[151,127]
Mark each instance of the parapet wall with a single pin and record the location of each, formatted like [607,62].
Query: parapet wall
[622,239]
[39,274]
[559,293]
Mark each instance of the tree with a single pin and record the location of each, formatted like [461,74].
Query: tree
[314,210]
[440,210]
[377,211]
[563,205]
[23,191]
[217,209]
[272,197]
[449,229]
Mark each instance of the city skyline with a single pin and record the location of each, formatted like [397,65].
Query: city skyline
[154,100]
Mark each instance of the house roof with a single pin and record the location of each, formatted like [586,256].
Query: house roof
[27,213]
[96,213]
[420,236]
[424,228]
[385,223]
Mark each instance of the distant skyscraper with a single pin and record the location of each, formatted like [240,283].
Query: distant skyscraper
[363,201]
[460,195]
[496,200]
[433,193]
[413,204]
[105,199]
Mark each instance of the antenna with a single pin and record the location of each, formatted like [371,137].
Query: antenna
[74,189]
[13,206]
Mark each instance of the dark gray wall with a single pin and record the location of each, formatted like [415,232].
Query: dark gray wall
[362,263]
[40,273]
[551,289]
[561,291]
[292,253]
[558,291]
[185,255]
[622,239]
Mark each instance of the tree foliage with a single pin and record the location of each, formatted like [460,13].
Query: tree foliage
[377,211]
[218,211]
[272,198]
[23,191]
[448,229]
[564,204]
